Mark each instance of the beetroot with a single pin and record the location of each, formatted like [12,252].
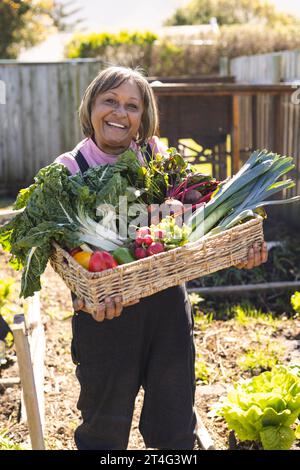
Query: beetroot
[191,197]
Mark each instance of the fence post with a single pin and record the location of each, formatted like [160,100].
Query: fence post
[28,383]
[224,66]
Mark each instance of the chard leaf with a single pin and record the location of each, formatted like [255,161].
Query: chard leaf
[35,265]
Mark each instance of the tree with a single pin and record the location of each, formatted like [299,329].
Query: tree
[231,12]
[24,23]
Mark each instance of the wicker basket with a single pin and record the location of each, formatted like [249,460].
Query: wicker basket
[155,273]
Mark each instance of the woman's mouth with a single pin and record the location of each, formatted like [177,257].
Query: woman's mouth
[116,125]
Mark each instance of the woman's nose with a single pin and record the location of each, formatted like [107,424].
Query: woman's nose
[120,110]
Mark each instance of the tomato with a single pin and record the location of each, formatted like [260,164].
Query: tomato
[97,263]
[83,258]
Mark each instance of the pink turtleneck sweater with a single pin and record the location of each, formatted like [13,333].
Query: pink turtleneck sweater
[94,156]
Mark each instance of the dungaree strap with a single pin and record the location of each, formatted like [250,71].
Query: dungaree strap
[81,161]
[84,166]
[148,153]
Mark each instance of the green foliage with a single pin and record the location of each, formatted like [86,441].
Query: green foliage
[260,359]
[172,55]
[124,48]
[170,59]
[25,23]
[264,408]
[295,301]
[202,372]
[6,443]
[283,265]
[51,209]
[6,310]
[195,299]
[5,291]
[230,12]
[245,313]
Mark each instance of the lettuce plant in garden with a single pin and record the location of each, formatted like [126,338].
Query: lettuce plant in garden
[265,408]
[295,301]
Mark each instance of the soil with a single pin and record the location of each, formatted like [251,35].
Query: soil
[219,343]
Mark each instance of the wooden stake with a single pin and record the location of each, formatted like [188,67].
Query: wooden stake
[202,436]
[235,135]
[28,384]
[37,349]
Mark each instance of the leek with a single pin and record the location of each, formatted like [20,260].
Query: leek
[239,197]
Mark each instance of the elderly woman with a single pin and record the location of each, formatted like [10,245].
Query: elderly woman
[151,343]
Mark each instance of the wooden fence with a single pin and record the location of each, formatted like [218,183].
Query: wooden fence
[270,68]
[258,113]
[39,118]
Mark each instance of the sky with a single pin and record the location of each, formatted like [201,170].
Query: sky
[113,15]
[127,14]
[140,14]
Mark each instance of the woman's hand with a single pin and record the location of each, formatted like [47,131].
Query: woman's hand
[110,309]
[256,257]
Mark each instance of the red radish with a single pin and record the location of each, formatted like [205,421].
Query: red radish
[143,231]
[147,240]
[139,241]
[155,248]
[140,253]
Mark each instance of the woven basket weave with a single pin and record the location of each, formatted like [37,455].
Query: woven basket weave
[158,272]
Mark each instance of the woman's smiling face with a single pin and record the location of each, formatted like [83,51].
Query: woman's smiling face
[116,117]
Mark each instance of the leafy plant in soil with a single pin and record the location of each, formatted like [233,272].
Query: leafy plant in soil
[264,408]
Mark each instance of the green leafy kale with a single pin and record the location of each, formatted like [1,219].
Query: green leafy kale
[50,209]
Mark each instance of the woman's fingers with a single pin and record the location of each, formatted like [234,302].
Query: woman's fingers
[99,315]
[264,253]
[118,306]
[256,257]
[109,309]
[78,304]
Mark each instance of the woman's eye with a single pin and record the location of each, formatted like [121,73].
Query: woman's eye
[132,106]
[110,101]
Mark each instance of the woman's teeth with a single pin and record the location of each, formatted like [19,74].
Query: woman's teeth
[114,124]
